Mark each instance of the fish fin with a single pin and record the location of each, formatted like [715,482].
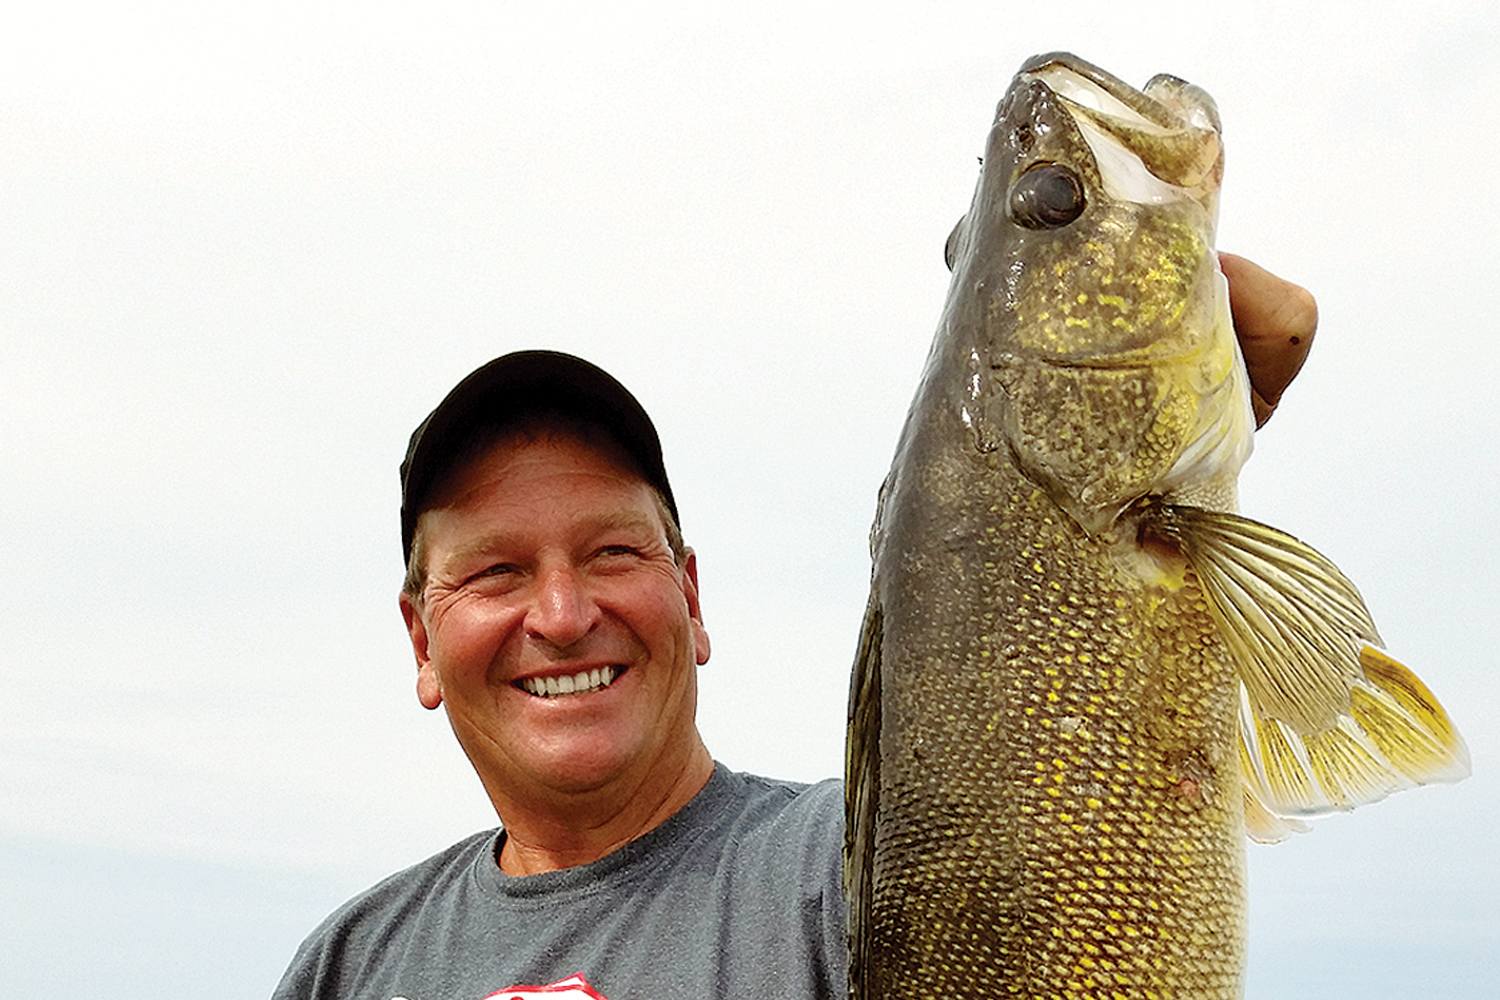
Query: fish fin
[862,793]
[1261,824]
[1407,723]
[1327,720]
[1393,736]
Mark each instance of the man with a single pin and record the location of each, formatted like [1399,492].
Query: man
[553,611]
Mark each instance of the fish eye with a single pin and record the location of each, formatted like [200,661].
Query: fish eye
[1046,196]
[950,249]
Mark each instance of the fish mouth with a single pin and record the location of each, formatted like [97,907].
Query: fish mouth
[1134,362]
[562,685]
[1151,145]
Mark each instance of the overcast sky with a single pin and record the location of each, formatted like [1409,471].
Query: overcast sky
[247,248]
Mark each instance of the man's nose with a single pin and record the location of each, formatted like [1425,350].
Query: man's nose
[563,612]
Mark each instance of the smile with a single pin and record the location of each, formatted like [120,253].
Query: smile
[579,683]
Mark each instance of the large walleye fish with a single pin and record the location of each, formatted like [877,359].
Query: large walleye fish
[1082,678]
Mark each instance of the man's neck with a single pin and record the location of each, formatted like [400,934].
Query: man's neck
[595,825]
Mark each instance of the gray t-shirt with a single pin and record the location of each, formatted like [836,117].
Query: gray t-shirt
[737,895]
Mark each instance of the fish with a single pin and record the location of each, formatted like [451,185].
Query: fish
[1082,677]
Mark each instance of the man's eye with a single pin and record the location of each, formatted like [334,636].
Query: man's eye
[620,555]
[497,570]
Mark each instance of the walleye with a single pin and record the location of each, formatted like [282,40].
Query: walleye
[1082,678]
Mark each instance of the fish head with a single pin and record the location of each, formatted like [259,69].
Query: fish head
[1087,306]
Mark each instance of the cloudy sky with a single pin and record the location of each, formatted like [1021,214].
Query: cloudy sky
[247,247]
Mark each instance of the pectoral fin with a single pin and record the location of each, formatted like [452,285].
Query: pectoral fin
[1327,721]
[1263,825]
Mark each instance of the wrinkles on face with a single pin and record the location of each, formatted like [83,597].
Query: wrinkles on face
[556,626]
[555,603]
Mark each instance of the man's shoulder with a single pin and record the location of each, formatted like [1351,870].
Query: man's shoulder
[790,818]
[415,886]
[365,931]
[773,797]
[765,868]
[452,864]
[761,784]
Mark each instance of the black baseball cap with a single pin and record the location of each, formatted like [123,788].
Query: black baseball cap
[507,388]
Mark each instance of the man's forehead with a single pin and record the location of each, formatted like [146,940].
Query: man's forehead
[557,441]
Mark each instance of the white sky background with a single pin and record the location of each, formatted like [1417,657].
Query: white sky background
[246,250]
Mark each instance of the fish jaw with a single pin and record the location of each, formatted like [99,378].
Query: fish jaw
[1167,132]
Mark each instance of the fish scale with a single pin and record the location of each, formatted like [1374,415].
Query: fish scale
[1082,678]
[1059,748]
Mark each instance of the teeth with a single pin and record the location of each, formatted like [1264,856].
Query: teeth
[579,683]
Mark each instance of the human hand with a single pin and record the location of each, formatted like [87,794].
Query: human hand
[1275,321]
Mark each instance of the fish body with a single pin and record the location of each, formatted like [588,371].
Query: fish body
[1081,674]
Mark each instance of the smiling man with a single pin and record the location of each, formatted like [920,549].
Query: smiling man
[559,624]
[553,612]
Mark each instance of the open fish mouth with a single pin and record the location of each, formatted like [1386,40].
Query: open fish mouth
[1152,145]
[582,682]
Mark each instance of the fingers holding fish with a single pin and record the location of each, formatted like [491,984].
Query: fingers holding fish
[1275,321]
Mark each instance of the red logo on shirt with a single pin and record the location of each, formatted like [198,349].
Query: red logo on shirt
[572,988]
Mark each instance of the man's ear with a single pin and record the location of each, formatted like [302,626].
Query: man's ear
[695,611]
[429,687]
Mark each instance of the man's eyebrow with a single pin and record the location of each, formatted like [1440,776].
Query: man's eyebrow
[476,548]
[500,540]
[625,519]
